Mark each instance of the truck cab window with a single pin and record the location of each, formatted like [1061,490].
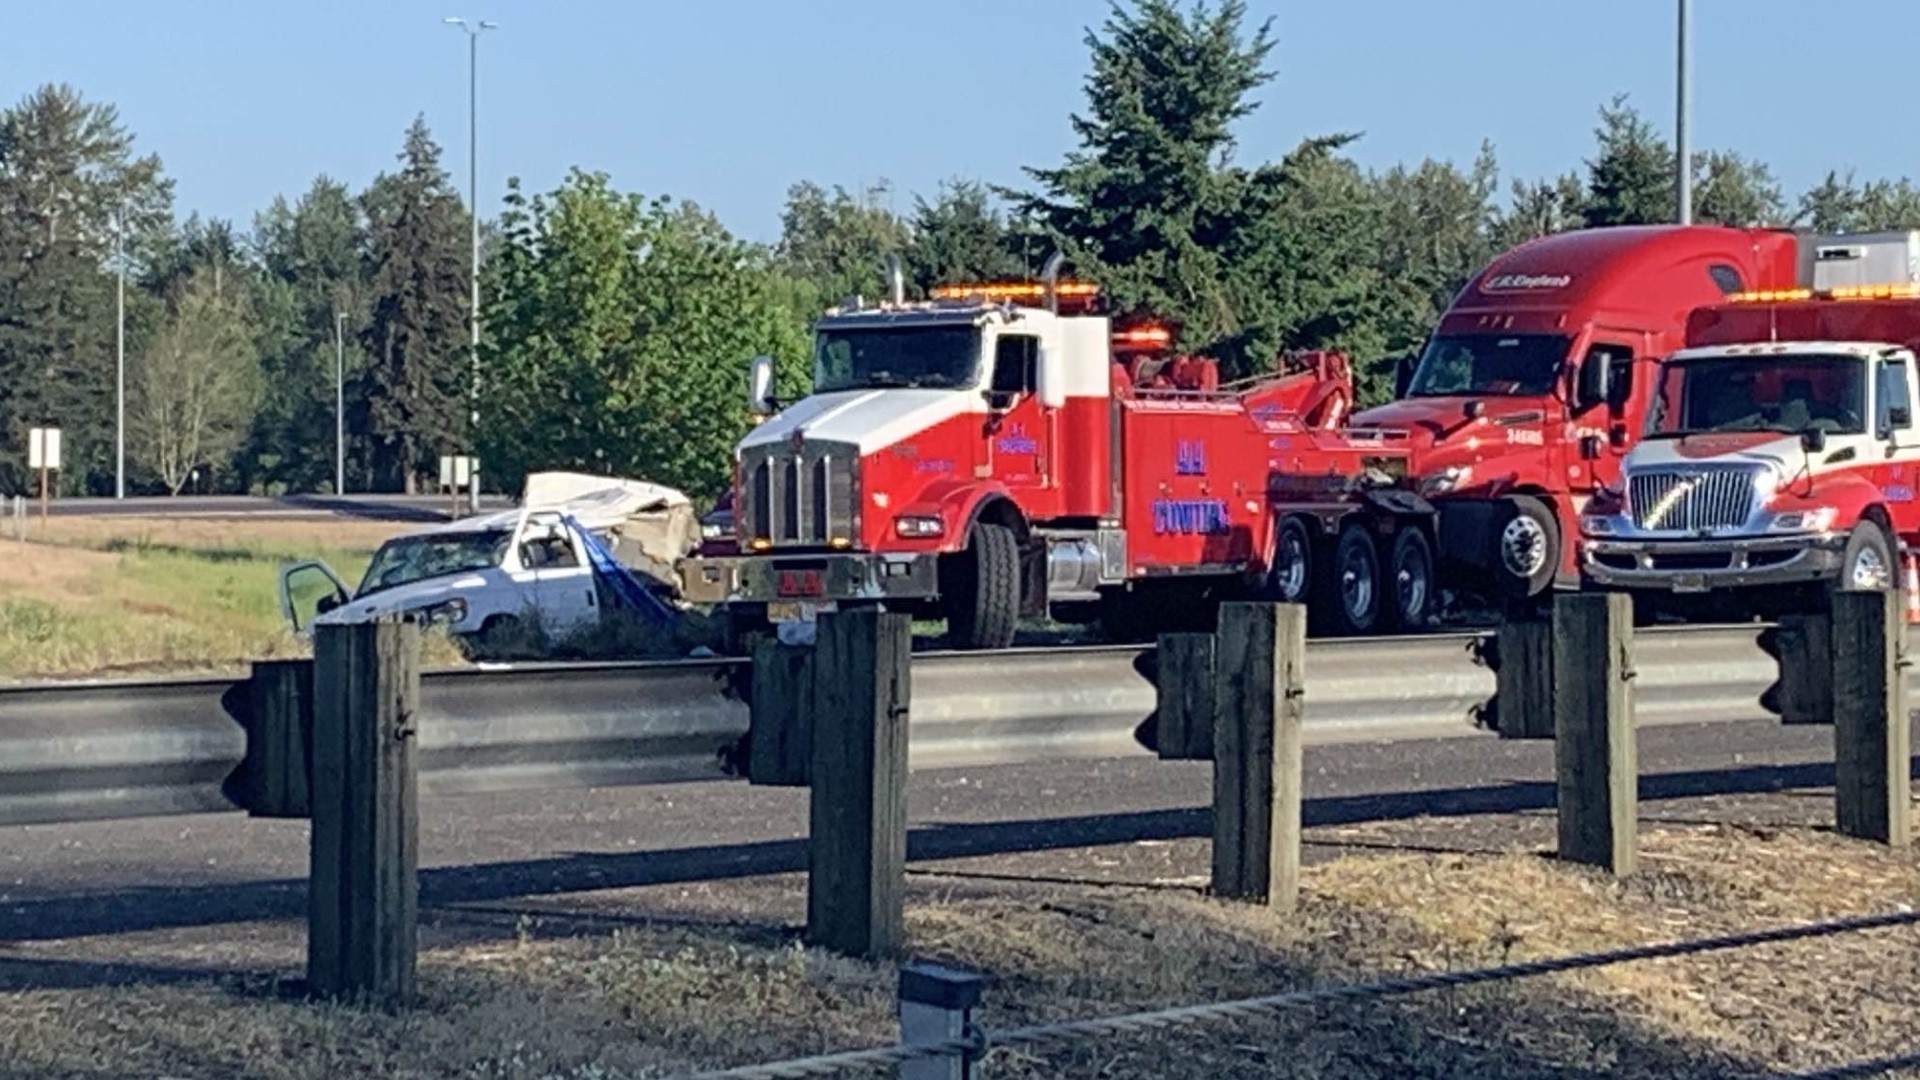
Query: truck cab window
[1889,394]
[548,553]
[1726,278]
[1016,364]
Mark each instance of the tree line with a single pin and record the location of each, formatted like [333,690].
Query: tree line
[616,326]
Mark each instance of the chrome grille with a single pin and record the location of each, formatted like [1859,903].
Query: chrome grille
[808,499]
[1690,500]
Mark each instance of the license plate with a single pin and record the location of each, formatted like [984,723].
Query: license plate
[798,611]
[1690,583]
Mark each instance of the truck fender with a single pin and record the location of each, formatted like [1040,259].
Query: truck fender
[960,506]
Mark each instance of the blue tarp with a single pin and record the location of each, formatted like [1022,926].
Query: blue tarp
[631,591]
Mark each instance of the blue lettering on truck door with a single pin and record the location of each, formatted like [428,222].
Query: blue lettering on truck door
[1190,516]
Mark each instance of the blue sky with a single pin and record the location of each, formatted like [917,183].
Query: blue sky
[727,102]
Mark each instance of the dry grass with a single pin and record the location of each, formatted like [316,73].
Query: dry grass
[647,1001]
[120,596]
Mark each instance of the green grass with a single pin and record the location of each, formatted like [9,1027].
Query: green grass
[133,606]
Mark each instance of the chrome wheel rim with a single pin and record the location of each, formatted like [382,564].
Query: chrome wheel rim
[1356,584]
[1869,571]
[1523,547]
[1290,575]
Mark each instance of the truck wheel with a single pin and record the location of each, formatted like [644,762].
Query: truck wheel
[1410,584]
[1528,548]
[1290,578]
[1867,562]
[1352,586]
[983,611]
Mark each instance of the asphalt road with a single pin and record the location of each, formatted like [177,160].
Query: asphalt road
[422,508]
[206,886]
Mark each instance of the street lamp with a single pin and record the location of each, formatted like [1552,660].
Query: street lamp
[1682,138]
[474,29]
[339,403]
[120,353]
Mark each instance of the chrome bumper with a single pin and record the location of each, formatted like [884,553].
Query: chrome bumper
[1700,565]
[743,579]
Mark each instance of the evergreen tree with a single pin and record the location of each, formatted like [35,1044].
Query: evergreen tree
[1437,232]
[1538,208]
[1731,190]
[69,183]
[962,236]
[1630,179]
[313,254]
[414,403]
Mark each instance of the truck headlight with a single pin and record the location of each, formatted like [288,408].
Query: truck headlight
[1597,524]
[914,527]
[1452,478]
[712,530]
[1818,519]
[449,612]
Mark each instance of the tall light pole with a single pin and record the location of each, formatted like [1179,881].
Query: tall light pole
[474,29]
[120,356]
[1682,138]
[339,403]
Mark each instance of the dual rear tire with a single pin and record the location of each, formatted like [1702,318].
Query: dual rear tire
[1374,576]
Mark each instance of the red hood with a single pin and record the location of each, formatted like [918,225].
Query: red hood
[1441,437]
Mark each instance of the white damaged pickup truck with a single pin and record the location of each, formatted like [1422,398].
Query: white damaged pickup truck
[577,548]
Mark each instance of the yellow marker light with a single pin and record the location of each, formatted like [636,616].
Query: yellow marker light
[1145,335]
[760,543]
[1012,290]
[841,542]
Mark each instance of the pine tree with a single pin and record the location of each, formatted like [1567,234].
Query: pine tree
[414,390]
[69,181]
[962,236]
[837,241]
[1731,190]
[1630,179]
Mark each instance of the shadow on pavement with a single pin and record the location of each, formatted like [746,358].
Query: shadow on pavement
[151,908]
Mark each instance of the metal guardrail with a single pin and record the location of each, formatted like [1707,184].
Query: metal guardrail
[115,750]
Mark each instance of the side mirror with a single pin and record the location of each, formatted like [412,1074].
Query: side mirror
[1617,435]
[1403,369]
[760,386]
[998,401]
[1596,380]
[328,603]
[1813,440]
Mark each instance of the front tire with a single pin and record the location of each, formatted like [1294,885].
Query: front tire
[983,606]
[1867,562]
[1527,552]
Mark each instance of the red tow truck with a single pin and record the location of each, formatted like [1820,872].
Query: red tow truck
[1014,449]
[1538,381]
[1781,458]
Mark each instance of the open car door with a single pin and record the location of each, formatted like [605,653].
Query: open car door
[307,591]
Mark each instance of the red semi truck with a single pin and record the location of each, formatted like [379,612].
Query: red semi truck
[1781,456]
[1538,380]
[1012,449]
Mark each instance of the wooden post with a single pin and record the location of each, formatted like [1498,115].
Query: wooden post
[1183,685]
[364,880]
[779,742]
[1523,681]
[857,839]
[1259,695]
[1805,644]
[1872,752]
[280,739]
[1594,752]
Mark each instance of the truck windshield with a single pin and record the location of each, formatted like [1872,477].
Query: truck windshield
[1514,365]
[418,558]
[932,357]
[1783,393]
